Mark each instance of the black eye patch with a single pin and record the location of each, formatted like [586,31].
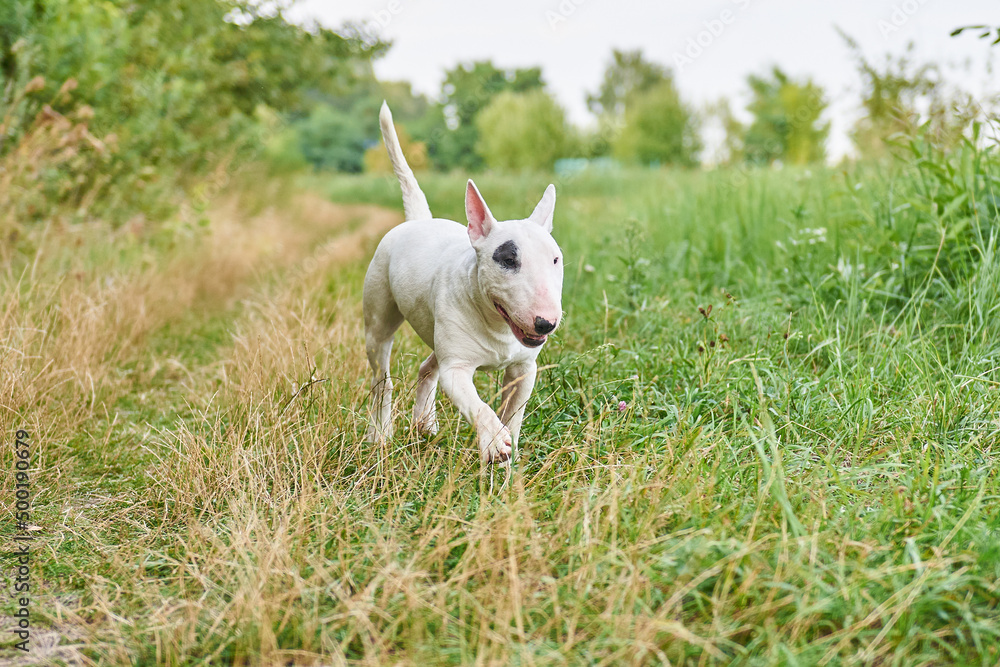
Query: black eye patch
[506,256]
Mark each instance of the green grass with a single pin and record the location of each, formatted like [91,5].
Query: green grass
[766,434]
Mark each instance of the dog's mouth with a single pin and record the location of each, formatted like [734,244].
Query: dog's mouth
[525,338]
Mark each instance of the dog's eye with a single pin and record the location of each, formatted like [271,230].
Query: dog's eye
[555,261]
[506,256]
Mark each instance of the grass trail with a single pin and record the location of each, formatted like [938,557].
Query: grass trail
[121,347]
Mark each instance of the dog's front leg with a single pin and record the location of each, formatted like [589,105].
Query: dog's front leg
[494,437]
[518,382]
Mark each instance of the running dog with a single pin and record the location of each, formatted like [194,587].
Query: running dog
[485,296]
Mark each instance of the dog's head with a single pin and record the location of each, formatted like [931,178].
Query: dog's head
[520,266]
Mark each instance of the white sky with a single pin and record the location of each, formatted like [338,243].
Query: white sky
[572,40]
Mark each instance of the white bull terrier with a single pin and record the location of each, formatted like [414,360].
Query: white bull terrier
[484,296]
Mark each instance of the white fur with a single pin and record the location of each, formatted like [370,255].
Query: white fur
[442,278]
[414,202]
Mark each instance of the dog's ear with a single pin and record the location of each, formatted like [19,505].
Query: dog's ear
[542,214]
[480,219]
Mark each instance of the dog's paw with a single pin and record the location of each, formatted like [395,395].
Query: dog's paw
[428,426]
[497,449]
[377,436]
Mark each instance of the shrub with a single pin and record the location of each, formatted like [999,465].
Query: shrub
[172,90]
[333,139]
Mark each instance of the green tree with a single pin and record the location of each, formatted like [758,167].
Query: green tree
[786,124]
[467,90]
[659,128]
[522,131]
[627,74]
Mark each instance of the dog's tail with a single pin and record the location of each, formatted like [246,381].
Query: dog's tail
[414,202]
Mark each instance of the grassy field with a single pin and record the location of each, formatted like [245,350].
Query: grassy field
[766,433]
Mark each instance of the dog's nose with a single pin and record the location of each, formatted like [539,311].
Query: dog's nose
[543,326]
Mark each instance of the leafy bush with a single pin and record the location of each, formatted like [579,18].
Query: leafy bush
[33,174]
[283,152]
[171,91]
[332,139]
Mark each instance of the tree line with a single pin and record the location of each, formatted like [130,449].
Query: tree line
[114,108]
[490,117]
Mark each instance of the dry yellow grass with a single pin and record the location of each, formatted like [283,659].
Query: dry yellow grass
[76,335]
[73,317]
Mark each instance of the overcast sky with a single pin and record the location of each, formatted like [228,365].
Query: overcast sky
[711,45]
